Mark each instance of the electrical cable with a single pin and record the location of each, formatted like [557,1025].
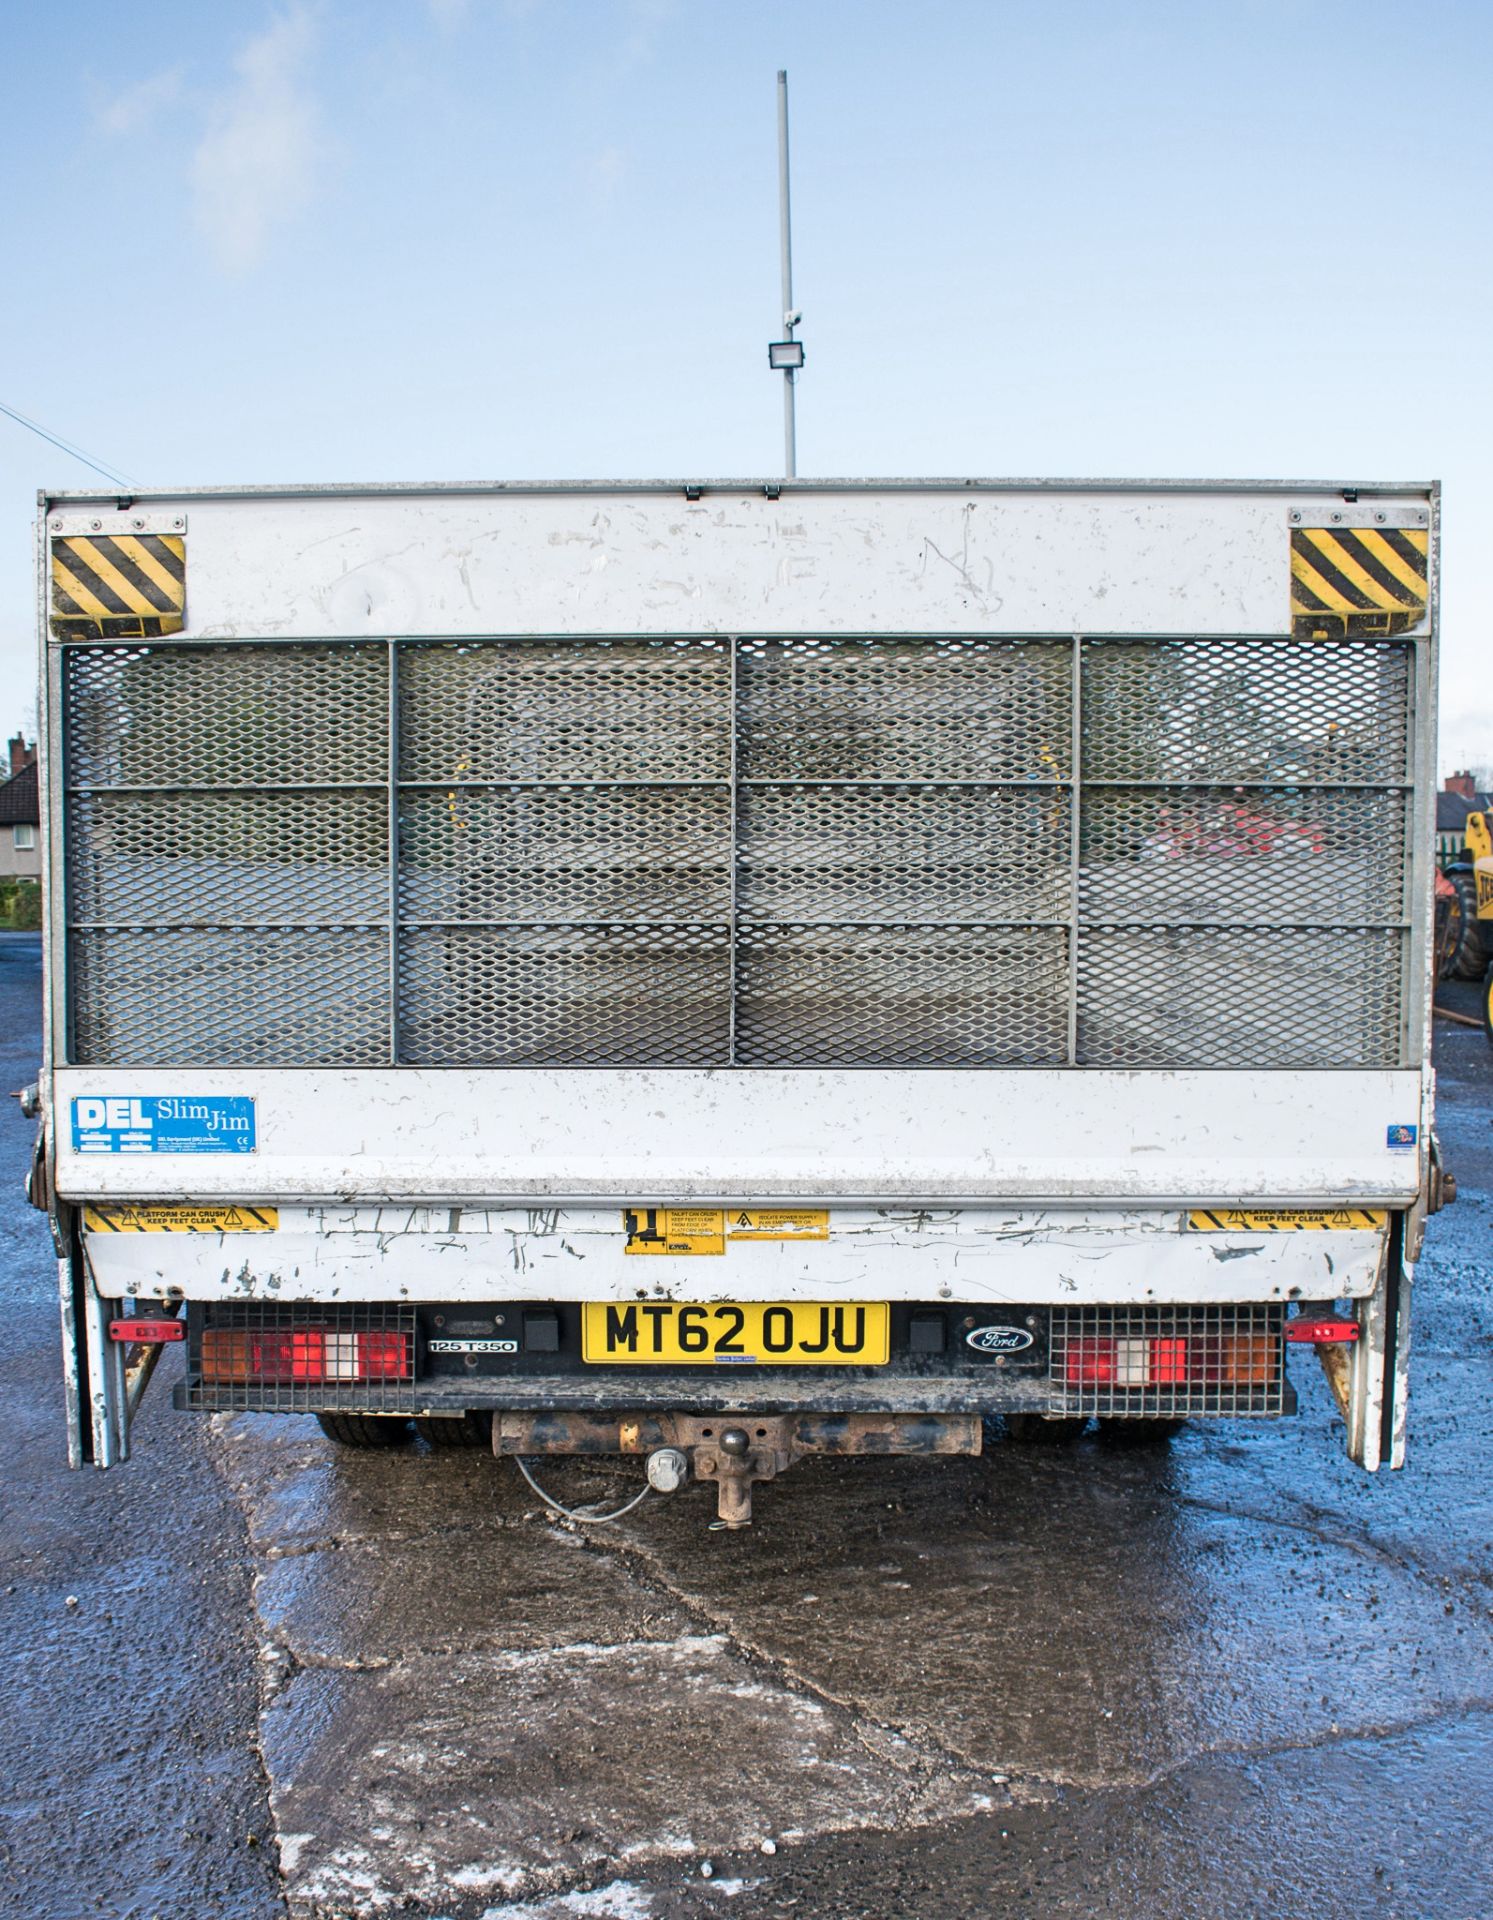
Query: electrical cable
[73,453]
[575,1513]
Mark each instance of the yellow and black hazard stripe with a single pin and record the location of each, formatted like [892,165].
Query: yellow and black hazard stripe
[1358,581]
[118,586]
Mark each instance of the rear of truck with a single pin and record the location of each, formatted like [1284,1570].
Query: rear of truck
[720,972]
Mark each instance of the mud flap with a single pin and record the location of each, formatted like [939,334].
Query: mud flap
[95,1389]
[1379,1382]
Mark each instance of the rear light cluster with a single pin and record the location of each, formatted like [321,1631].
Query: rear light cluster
[304,1353]
[1169,1360]
[274,1357]
[1150,1362]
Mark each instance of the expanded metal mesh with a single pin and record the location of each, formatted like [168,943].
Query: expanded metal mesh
[901,996]
[1157,1363]
[764,851]
[257,1356]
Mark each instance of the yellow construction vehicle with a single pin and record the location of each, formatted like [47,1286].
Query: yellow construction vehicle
[1480,855]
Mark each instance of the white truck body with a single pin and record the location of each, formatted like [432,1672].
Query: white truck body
[1005,869]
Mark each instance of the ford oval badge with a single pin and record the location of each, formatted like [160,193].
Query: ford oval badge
[998,1339]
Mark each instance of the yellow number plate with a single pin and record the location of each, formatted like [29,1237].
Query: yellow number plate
[648,1333]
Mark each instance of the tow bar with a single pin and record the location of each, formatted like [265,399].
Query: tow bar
[737,1451]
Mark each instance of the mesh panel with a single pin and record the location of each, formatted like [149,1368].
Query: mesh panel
[870,861]
[904,709]
[1231,997]
[901,996]
[233,716]
[256,1356]
[1234,857]
[236,997]
[1203,711]
[888,853]
[565,996]
[1164,1362]
[566,853]
[566,710]
[140,858]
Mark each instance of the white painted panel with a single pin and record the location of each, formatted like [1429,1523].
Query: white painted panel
[1027,1258]
[930,559]
[1043,1136]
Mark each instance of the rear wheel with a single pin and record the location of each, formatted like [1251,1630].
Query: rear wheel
[1464,937]
[364,1429]
[456,1430]
[1139,1433]
[1036,1430]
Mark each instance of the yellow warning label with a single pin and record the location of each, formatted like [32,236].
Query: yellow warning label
[674,1230]
[118,586]
[1358,581]
[777,1223]
[133,1219]
[1288,1220]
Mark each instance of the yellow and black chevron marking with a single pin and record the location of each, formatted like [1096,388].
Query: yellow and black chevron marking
[1357,581]
[1287,1220]
[124,586]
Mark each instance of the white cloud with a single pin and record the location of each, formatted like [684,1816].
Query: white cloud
[256,164]
[140,105]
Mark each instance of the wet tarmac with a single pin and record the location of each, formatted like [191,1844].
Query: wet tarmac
[1232,1677]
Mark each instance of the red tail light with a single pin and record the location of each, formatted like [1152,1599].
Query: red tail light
[1091,1360]
[1172,1360]
[305,1355]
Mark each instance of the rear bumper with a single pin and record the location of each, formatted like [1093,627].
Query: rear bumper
[1147,1362]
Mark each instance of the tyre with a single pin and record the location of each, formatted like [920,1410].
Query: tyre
[364,1429]
[1488,1003]
[1139,1433]
[456,1429]
[1464,939]
[1036,1430]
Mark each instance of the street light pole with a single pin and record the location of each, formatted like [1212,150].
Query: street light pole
[790,318]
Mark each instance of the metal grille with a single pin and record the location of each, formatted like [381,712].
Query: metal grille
[902,996]
[1232,996]
[259,1357]
[1157,1363]
[761,851]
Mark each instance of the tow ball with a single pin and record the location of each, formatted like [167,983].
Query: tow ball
[735,1465]
[736,1453]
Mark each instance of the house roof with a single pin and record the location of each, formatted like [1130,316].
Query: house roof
[20,798]
[1452,810]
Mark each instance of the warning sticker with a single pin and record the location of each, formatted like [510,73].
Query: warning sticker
[1288,1220]
[674,1230]
[777,1223]
[134,1219]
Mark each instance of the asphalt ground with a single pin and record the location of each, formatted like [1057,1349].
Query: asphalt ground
[251,1674]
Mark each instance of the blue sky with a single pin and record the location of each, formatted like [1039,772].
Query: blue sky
[457,239]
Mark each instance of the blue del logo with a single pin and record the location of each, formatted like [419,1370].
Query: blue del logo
[163,1123]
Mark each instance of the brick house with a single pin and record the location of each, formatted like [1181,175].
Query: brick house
[20,814]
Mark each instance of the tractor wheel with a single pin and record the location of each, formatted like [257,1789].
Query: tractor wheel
[456,1429]
[1488,1004]
[364,1429]
[1464,940]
